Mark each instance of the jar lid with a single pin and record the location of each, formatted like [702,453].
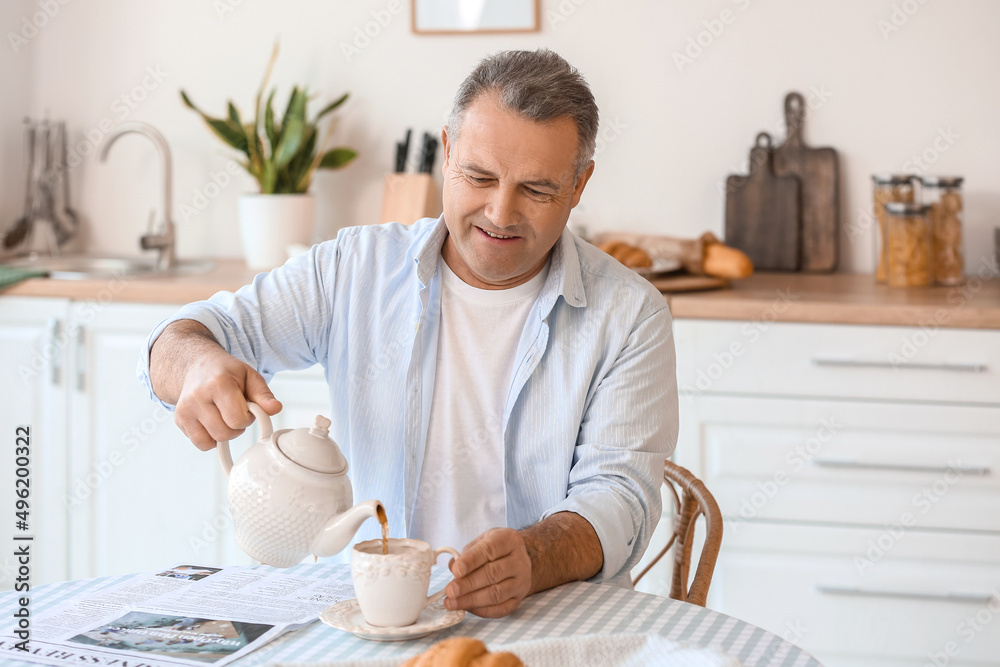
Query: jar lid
[892,179]
[905,208]
[943,181]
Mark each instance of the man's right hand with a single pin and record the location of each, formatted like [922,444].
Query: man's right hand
[209,387]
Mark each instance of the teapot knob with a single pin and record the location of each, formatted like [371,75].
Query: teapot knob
[321,429]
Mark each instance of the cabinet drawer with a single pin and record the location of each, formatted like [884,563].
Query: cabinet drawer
[894,609]
[927,467]
[826,360]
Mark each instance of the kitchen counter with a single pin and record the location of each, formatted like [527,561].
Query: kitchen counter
[840,298]
[228,274]
[844,298]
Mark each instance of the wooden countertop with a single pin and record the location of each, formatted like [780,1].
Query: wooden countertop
[839,298]
[844,298]
[228,274]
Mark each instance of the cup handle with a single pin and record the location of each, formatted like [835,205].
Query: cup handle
[266,429]
[431,599]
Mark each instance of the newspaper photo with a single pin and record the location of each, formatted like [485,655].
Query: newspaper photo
[185,615]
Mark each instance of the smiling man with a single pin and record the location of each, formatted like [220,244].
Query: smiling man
[496,381]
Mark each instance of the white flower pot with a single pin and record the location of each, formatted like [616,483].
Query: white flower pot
[269,224]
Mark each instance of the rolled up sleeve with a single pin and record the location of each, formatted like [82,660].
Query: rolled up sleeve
[628,431]
[281,321]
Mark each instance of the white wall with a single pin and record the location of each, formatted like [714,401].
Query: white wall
[15,75]
[677,131]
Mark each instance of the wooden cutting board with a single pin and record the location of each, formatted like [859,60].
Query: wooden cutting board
[687,283]
[762,212]
[817,171]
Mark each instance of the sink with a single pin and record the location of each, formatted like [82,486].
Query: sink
[88,267]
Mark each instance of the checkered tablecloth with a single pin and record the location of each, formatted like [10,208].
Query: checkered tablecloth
[573,610]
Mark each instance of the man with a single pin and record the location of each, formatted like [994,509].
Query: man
[494,380]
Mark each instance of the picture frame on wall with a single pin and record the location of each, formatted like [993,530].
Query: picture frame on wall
[458,17]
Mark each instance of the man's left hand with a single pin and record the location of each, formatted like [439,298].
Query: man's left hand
[492,575]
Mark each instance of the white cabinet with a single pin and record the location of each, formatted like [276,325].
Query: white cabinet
[140,496]
[116,487]
[33,354]
[858,470]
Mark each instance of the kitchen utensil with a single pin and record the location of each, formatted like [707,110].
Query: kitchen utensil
[763,212]
[52,188]
[818,172]
[69,219]
[44,227]
[290,496]
[19,230]
[402,152]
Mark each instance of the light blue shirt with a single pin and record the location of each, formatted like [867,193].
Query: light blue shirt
[590,414]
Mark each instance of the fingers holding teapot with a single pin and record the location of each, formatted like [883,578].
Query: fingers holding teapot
[212,405]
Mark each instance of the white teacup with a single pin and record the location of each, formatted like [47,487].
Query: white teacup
[392,588]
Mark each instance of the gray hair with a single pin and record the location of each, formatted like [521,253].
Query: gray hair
[536,85]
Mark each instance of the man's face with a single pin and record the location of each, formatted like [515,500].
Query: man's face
[509,185]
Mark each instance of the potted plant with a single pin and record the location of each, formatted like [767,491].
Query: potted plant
[281,154]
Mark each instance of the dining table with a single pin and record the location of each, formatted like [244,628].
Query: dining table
[579,613]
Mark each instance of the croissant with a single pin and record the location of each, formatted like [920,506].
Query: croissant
[631,256]
[462,652]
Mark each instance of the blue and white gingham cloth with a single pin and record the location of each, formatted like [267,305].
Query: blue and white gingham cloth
[579,610]
[591,412]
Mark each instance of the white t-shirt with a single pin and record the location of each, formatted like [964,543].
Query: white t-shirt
[460,494]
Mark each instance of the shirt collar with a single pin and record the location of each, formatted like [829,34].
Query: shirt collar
[428,251]
[565,277]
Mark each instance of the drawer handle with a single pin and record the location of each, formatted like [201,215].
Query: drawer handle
[899,467]
[851,363]
[906,595]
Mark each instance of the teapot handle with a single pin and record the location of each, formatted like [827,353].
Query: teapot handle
[266,429]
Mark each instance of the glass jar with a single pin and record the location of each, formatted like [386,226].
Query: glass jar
[944,195]
[909,263]
[887,188]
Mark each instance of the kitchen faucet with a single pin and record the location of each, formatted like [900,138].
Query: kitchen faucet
[161,239]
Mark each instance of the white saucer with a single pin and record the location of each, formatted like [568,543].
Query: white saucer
[346,616]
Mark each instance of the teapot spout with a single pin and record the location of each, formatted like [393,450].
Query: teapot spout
[341,528]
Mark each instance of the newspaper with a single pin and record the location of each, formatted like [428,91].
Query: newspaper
[187,615]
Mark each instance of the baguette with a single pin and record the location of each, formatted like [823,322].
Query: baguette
[722,261]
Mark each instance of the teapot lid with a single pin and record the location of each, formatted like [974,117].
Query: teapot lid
[312,448]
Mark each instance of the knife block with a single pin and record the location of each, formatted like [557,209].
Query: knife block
[409,197]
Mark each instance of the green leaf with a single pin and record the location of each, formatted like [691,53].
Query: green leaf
[337,158]
[291,103]
[268,178]
[301,168]
[330,107]
[293,130]
[233,136]
[273,133]
[263,87]
[234,115]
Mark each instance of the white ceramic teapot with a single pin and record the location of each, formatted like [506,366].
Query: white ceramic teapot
[290,496]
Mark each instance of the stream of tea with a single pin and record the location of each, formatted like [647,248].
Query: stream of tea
[384,520]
